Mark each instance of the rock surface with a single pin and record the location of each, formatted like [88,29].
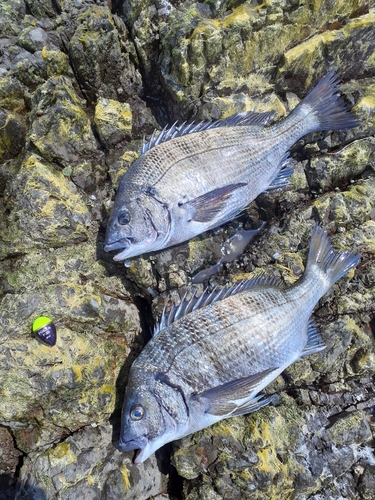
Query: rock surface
[81,82]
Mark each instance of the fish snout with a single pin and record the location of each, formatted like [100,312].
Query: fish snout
[122,244]
[132,444]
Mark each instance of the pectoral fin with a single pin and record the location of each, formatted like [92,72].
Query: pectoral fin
[228,399]
[207,206]
[254,405]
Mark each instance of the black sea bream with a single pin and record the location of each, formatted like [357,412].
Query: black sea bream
[196,177]
[210,358]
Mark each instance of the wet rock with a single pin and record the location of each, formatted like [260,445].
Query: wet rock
[12,14]
[12,92]
[113,121]
[61,130]
[9,461]
[59,64]
[350,429]
[201,54]
[98,50]
[87,465]
[43,8]
[353,206]
[329,171]
[366,480]
[342,43]
[43,210]
[33,39]
[50,392]
[12,135]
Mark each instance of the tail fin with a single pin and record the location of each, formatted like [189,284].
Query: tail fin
[329,109]
[334,264]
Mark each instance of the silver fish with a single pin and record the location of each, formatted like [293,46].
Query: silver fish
[211,356]
[193,178]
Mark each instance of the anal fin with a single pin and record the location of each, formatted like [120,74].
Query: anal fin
[314,340]
[283,174]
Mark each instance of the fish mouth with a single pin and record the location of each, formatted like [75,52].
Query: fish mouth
[131,248]
[122,244]
[144,448]
[133,444]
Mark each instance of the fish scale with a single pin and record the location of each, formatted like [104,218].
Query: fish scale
[210,358]
[227,336]
[196,178]
[240,146]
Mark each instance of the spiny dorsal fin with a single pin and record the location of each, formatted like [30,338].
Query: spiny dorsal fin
[238,119]
[195,303]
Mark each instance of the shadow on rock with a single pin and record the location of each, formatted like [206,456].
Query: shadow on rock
[11,490]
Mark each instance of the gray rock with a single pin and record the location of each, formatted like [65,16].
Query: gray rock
[86,465]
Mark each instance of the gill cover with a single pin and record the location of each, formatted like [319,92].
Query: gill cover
[154,413]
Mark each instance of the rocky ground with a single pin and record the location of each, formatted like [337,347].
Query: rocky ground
[81,82]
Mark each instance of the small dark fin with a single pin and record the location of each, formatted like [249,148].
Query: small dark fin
[255,405]
[321,253]
[281,179]
[195,303]
[328,107]
[314,340]
[208,205]
[238,119]
[222,400]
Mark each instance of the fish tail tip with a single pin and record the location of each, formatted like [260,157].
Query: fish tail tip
[330,110]
[334,264]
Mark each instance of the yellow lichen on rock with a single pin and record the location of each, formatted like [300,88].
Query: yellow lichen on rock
[113,120]
[60,215]
[305,57]
[61,454]
[61,129]
[125,477]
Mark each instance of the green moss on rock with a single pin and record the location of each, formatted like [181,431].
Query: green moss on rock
[203,54]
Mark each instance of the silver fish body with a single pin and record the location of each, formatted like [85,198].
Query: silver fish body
[194,178]
[211,356]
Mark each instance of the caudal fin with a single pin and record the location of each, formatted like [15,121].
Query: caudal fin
[334,264]
[329,110]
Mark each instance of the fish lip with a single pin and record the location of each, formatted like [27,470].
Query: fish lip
[144,448]
[132,248]
[132,444]
[122,255]
[123,244]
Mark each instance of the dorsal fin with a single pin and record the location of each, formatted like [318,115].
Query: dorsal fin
[194,303]
[238,119]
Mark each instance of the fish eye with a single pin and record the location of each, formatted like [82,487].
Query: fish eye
[123,218]
[137,412]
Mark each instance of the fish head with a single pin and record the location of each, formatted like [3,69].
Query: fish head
[153,414]
[139,223]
